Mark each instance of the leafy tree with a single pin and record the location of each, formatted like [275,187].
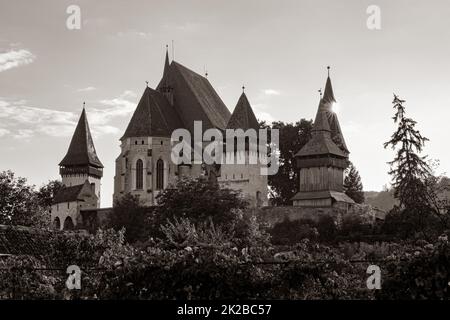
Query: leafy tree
[18,201]
[352,184]
[292,137]
[128,213]
[47,192]
[199,200]
[409,170]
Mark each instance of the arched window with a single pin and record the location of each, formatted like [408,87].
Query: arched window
[56,224]
[159,174]
[139,174]
[68,224]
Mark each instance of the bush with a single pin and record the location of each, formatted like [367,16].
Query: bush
[420,271]
[21,278]
[292,232]
[199,200]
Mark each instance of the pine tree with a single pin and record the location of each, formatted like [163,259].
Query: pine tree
[352,184]
[409,170]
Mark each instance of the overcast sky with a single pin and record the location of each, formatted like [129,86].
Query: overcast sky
[278,49]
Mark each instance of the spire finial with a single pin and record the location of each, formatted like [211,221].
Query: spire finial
[146,82]
[84,104]
[328,69]
[243,88]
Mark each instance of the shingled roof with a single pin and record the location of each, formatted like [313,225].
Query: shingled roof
[326,136]
[243,116]
[154,116]
[194,98]
[81,149]
[74,193]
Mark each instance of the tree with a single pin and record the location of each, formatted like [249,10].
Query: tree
[352,184]
[18,201]
[199,200]
[128,213]
[409,170]
[47,192]
[292,137]
[413,180]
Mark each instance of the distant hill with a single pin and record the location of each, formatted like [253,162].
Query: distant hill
[385,200]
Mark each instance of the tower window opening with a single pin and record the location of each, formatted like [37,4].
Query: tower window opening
[139,174]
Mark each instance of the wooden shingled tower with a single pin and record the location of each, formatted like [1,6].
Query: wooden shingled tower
[323,159]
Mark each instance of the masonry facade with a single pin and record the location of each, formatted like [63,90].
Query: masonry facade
[81,171]
[144,167]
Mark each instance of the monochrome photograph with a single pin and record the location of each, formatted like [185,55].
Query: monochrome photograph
[224,155]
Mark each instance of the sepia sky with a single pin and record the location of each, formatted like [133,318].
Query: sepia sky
[278,49]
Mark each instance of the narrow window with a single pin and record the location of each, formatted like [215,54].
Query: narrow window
[139,174]
[159,174]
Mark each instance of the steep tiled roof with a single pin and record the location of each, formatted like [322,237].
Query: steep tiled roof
[326,136]
[154,116]
[328,95]
[243,116]
[17,240]
[195,98]
[74,193]
[320,144]
[81,150]
[327,103]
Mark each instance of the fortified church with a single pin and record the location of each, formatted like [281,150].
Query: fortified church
[144,167]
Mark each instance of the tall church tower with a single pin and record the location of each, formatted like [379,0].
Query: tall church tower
[245,175]
[323,159]
[81,162]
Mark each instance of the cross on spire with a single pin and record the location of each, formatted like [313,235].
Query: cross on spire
[146,82]
[328,69]
[243,88]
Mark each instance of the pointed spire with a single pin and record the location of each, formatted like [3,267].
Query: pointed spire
[166,63]
[243,116]
[328,95]
[81,150]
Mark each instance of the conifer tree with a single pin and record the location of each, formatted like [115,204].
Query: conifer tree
[352,184]
[409,170]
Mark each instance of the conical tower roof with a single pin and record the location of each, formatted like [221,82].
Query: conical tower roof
[81,150]
[327,136]
[243,116]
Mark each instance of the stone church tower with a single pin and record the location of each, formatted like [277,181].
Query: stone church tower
[245,176]
[81,172]
[323,159]
[81,162]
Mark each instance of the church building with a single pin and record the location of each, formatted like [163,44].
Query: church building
[144,167]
